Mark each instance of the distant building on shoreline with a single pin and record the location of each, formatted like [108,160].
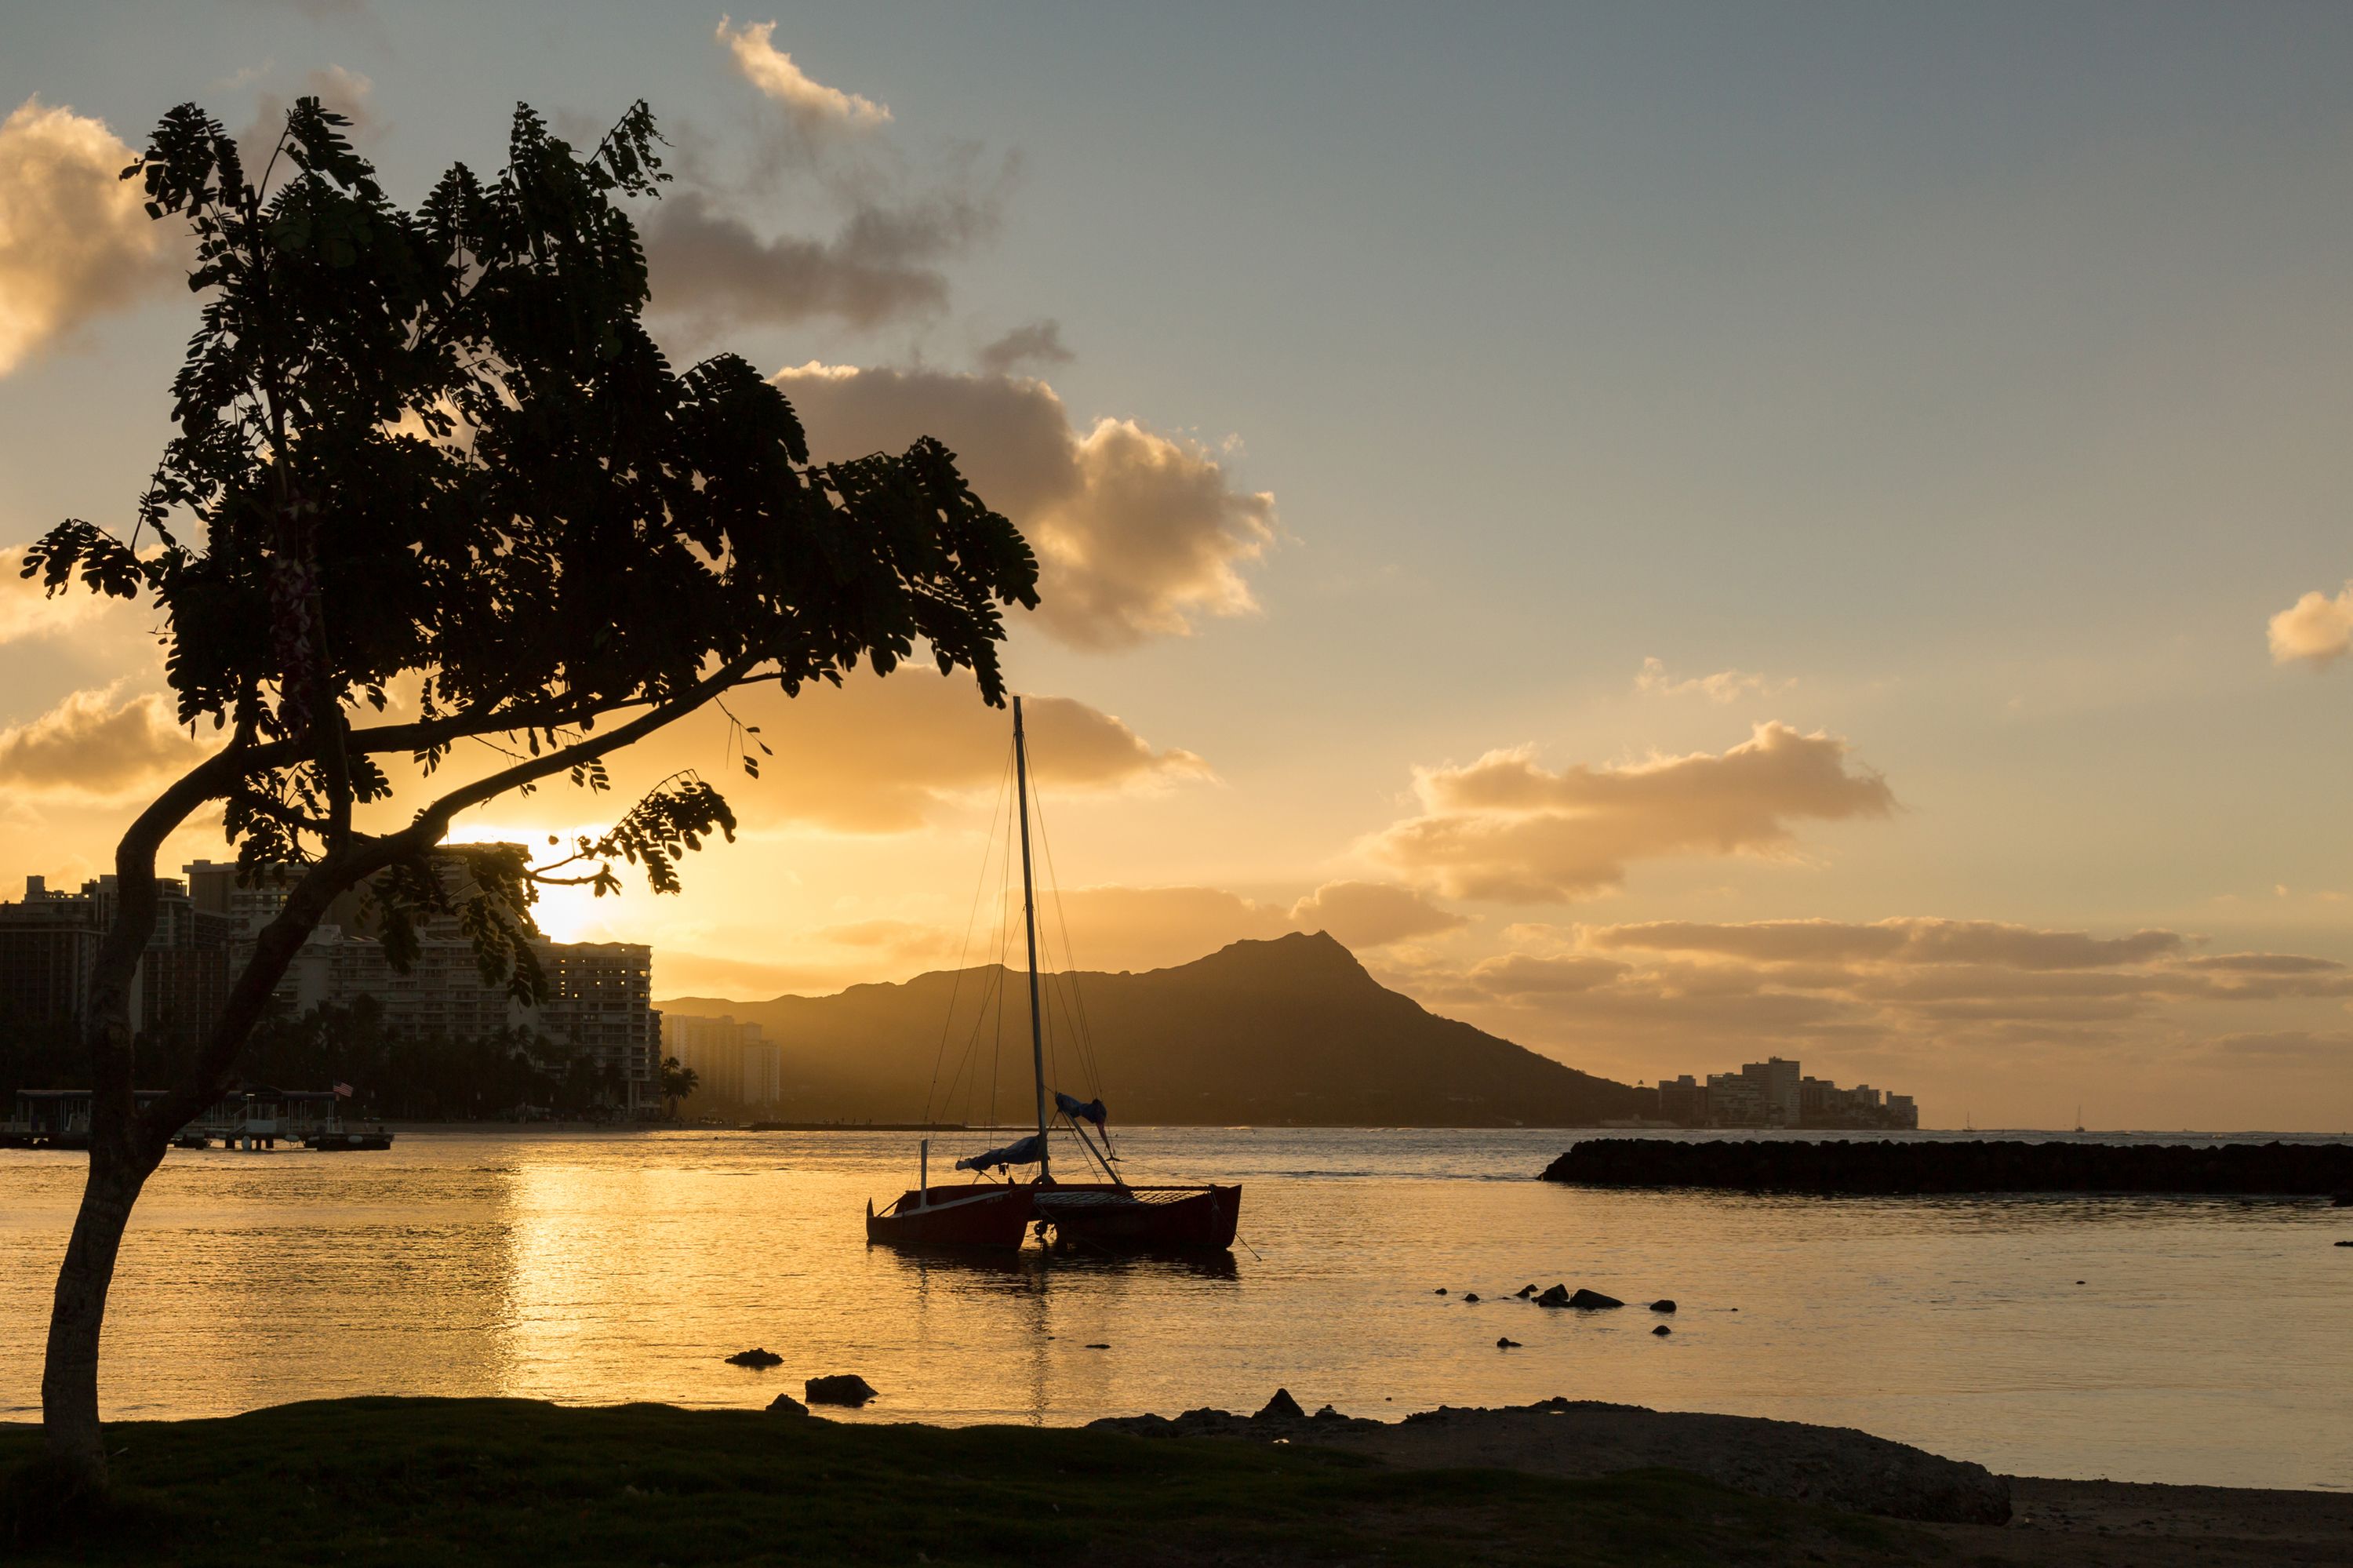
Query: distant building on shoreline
[734,1063]
[601,1001]
[1775,1092]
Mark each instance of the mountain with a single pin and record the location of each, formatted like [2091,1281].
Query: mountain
[1290,1031]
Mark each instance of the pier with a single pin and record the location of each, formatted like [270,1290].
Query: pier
[1879,1165]
[254,1118]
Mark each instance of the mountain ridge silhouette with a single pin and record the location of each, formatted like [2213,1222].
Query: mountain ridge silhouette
[1291,1031]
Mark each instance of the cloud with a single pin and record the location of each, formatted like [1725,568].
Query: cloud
[339,90]
[1512,976]
[1138,534]
[812,105]
[2316,630]
[1725,686]
[2262,963]
[1039,342]
[28,610]
[90,744]
[1118,927]
[321,10]
[899,941]
[1115,927]
[1505,828]
[1940,1007]
[880,756]
[1361,914]
[716,257]
[2328,1047]
[75,239]
[1903,940]
[883,262]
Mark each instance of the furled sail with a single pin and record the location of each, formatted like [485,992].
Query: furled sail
[1091,1110]
[1024,1152]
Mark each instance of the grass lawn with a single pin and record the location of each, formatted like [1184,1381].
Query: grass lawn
[411,1481]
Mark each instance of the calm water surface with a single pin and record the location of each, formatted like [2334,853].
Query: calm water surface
[2207,1340]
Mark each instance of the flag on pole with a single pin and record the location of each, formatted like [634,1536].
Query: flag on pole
[343,1090]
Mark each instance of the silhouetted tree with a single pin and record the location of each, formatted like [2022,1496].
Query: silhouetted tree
[431,454]
[678,1082]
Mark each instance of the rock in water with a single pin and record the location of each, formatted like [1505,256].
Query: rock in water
[1593,1302]
[1281,1407]
[1507,1344]
[1525,1291]
[785,1404]
[1470,1296]
[758,1356]
[1662,1304]
[1663,1328]
[1441,1290]
[1557,1297]
[841,1388]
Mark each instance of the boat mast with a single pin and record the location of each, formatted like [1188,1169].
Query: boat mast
[1030,930]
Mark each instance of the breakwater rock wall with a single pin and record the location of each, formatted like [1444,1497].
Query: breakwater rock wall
[1976,1165]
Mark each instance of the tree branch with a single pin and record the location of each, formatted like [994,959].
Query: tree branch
[359,858]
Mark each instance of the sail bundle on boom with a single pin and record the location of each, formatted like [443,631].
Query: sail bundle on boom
[1025,1151]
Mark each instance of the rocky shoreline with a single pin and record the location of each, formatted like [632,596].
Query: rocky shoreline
[1980,1515]
[1833,1466]
[1976,1165]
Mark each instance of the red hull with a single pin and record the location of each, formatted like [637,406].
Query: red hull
[975,1216]
[1140,1219]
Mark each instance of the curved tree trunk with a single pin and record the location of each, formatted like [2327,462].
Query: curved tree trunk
[69,1376]
[120,1163]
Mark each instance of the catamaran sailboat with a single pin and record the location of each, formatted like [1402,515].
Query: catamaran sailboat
[1107,1215]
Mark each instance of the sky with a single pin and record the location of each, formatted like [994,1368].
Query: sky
[1680,533]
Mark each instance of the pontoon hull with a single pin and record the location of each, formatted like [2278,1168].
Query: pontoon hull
[1140,1219]
[953,1216]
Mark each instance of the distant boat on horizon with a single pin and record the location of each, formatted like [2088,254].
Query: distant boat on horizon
[1105,1216]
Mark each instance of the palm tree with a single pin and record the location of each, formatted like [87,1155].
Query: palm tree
[678,1081]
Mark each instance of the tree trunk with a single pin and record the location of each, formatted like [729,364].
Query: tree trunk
[120,1163]
[69,1379]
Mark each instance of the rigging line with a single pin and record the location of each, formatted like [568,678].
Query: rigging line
[966,1072]
[1078,997]
[1003,943]
[991,984]
[964,950]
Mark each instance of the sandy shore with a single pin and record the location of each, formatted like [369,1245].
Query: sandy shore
[1983,1516]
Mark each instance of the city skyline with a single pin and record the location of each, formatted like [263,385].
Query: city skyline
[1894,621]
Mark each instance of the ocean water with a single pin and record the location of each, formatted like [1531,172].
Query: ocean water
[2136,1339]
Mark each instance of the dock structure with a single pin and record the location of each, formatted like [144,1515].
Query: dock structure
[250,1119]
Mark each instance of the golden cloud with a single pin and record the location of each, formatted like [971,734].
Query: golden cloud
[877,756]
[75,239]
[90,743]
[811,104]
[28,610]
[1724,686]
[1903,940]
[1505,828]
[1361,914]
[1138,534]
[2316,630]
[1938,1004]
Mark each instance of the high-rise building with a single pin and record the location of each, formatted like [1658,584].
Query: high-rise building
[600,995]
[1777,1093]
[1778,1083]
[763,1074]
[733,1061]
[1683,1101]
[49,947]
